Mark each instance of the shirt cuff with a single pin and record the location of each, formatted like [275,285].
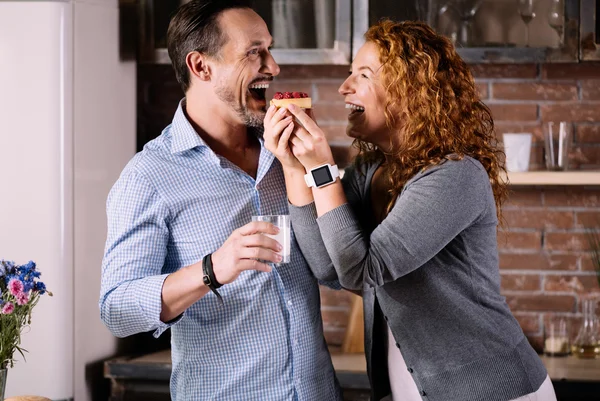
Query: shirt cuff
[149,299]
[303,215]
[336,220]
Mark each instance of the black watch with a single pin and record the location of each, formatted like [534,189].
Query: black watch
[209,278]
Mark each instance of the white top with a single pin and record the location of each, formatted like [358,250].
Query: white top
[401,382]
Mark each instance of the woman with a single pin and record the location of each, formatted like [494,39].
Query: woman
[413,223]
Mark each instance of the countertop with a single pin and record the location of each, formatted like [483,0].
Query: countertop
[559,368]
[147,377]
[348,366]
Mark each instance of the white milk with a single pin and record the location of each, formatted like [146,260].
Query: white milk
[283,237]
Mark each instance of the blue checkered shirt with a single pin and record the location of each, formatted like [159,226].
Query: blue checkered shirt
[175,202]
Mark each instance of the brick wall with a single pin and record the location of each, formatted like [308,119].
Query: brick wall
[544,264]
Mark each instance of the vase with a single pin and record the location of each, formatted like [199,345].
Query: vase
[3,373]
[587,343]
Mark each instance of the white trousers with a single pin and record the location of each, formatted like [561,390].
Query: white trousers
[544,393]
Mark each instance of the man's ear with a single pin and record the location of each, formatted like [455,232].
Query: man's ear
[198,66]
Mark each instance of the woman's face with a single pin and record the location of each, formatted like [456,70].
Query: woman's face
[365,97]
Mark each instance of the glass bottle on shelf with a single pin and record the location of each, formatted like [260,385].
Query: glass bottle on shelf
[299,24]
[587,342]
[527,12]
[556,336]
[556,19]
[466,10]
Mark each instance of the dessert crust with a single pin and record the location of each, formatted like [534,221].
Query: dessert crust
[304,102]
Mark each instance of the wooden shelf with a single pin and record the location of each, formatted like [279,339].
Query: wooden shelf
[550,178]
[555,178]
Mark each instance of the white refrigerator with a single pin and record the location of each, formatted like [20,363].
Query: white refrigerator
[67,128]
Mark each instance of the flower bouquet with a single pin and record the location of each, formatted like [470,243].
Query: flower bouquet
[20,290]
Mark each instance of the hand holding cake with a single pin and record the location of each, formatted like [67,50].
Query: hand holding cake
[291,133]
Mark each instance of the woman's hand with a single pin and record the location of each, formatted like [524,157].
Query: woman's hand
[309,144]
[279,125]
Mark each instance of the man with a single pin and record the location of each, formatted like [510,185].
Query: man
[179,225]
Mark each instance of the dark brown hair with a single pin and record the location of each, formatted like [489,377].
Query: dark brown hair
[440,111]
[195,27]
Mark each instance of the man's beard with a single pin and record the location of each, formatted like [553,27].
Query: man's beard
[249,118]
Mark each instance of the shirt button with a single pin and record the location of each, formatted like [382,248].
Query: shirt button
[423,393]
[290,303]
[397,345]
[386,318]
[410,370]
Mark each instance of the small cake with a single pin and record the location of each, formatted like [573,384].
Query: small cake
[300,99]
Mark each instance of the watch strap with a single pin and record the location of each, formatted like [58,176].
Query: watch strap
[309,180]
[335,172]
[209,278]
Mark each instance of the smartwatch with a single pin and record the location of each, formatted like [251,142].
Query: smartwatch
[322,175]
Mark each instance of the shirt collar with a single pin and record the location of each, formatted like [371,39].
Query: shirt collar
[185,136]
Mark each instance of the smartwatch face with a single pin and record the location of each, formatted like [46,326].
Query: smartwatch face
[322,176]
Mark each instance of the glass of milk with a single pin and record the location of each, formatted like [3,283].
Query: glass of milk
[556,335]
[282,221]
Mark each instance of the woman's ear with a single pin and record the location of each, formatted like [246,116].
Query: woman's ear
[198,66]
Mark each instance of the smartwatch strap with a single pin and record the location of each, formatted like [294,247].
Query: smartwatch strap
[209,276]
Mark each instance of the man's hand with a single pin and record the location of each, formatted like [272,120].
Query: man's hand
[245,248]
[184,287]
[279,125]
[308,142]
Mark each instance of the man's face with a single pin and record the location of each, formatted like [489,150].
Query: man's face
[245,68]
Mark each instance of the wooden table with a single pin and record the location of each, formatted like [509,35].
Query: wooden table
[559,369]
[572,368]
[147,377]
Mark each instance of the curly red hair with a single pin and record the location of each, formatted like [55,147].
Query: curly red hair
[440,111]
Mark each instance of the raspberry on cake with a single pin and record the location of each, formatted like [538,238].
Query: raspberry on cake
[300,99]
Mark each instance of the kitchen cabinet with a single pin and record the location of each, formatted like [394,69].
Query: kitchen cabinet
[304,31]
[331,31]
[487,31]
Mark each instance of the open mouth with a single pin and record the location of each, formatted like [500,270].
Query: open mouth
[258,91]
[355,109]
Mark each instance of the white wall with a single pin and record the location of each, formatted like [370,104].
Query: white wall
[105,132]
[36,200]
[67,128]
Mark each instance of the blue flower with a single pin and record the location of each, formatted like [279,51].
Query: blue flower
[9,277]
[40,287]
[9,266]
[28,286]
[7,263]
[26,275]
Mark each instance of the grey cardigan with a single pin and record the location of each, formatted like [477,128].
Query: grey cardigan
[430,269]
